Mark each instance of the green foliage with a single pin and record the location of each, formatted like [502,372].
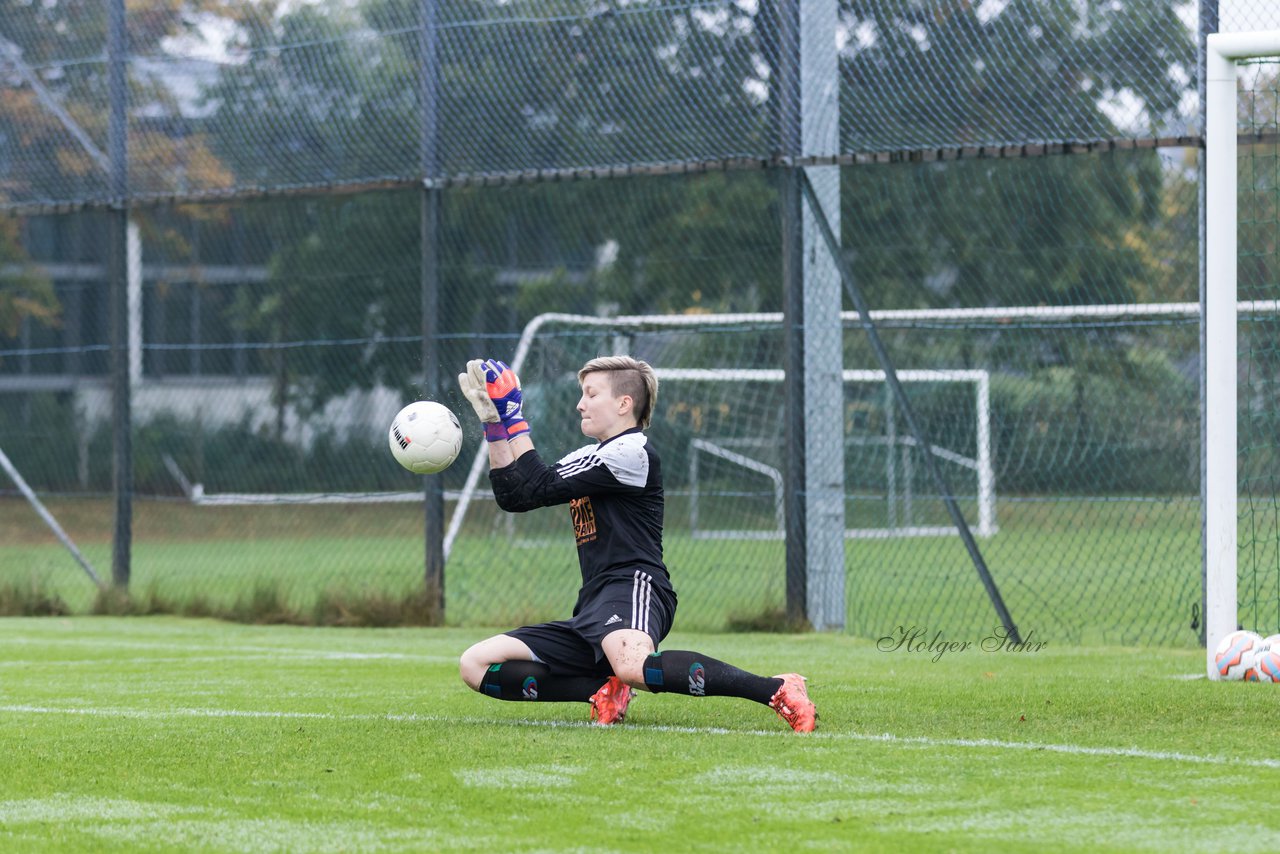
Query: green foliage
[1067,54]
[228,458]
[25,432]
[707,243]
[267,602]
[55,166]
[237,459]
[1040,231]
[774,620]
[32,598]
[1120,425]
[1080,571]
[25,294]
[375,608]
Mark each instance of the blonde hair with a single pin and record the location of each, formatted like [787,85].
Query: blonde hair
[631,377]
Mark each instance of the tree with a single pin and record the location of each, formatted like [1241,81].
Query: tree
[24,293]
[54,109]
[334,93]
[1055,230]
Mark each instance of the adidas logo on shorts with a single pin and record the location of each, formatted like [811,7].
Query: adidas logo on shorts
[614,619]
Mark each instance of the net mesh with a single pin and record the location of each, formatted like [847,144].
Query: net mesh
[245,97]
[280,336]
[281,316]
[1084,461]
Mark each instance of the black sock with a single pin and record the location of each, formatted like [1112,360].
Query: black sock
[681,672]
[532,680]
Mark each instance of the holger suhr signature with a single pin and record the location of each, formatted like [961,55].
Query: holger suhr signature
[918,639]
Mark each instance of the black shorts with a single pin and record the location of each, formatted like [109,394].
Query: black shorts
[572,647]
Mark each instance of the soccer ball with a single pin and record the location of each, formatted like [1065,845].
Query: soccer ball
[1235,656]
[1266,664]
[425,437]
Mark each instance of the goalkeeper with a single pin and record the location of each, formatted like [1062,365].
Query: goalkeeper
[626,604]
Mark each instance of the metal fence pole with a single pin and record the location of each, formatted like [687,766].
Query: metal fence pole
[1208,24]
[433,498]
[118,290]
[814,471]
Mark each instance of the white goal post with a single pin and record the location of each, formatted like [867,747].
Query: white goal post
[1221,488]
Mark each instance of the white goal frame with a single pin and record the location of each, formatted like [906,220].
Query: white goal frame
[980,464]
[1221,487]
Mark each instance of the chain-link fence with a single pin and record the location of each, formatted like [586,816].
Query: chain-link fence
[1017,201]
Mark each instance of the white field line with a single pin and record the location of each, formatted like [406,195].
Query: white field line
[26,663]
[884,738]
[252,651]
[221,659]
[147,659]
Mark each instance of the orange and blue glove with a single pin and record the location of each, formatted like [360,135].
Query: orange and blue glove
[503,387]
[472,383]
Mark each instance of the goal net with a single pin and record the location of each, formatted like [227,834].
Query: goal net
[738,458]
[723,427]
[1242,358]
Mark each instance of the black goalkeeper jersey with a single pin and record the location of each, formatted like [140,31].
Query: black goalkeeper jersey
[614,493]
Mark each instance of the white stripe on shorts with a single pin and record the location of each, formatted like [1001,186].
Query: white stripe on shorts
[641,590]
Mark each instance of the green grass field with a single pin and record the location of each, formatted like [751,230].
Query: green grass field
[165,734]
[1071,571]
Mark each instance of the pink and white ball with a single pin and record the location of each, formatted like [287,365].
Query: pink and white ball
[1236,656]
[1266,663]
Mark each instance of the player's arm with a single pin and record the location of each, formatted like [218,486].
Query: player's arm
[529,482]
[521,480]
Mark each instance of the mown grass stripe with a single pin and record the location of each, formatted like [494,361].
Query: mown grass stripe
[889,738]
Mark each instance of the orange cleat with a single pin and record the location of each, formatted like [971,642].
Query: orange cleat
[609,704]
[793,705]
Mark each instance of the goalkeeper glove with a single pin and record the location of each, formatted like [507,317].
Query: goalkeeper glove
[472,383]
[503,387]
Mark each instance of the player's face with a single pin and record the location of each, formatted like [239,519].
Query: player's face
[602,414]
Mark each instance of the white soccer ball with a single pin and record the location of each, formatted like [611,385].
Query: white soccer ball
[1266,663]
[425,437]
[1234,658]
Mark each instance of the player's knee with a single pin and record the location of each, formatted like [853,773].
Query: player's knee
[631,672]
[627,650]
[479,657]
[471,667]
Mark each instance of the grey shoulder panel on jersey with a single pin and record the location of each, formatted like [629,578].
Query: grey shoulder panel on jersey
[627,459]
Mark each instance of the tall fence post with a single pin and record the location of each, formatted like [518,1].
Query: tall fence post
[118,290]
[433,499]
[809,125]
[1208,24]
